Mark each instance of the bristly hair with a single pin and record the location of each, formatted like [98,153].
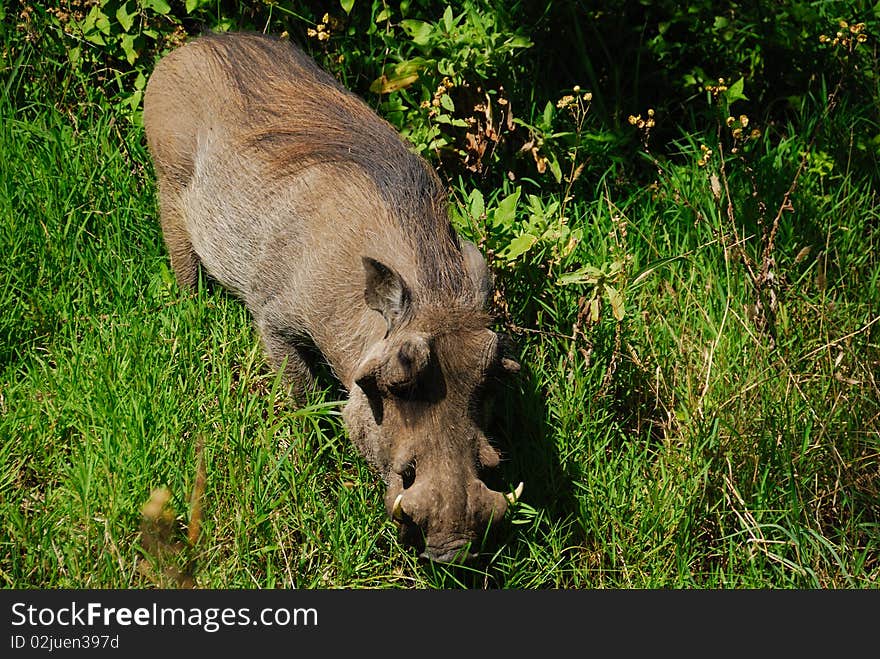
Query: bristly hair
[299,115]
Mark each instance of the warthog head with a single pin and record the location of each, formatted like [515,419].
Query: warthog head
[418,411]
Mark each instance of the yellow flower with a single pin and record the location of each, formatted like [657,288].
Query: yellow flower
[565,101]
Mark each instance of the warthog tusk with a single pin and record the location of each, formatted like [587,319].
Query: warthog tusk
[397,508]
[514,496]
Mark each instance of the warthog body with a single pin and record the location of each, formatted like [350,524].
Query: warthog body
[291,193]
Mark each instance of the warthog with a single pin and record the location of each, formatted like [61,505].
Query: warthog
[291,193]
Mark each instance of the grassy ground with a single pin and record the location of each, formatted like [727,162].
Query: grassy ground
[725,432]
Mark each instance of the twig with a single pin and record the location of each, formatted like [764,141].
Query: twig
[816,351]
[523,330]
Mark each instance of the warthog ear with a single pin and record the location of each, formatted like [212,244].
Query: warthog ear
[385,291]
[510,365]
[505,348]
[477,270]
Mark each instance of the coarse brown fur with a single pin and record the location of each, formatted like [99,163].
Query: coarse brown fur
[293,194]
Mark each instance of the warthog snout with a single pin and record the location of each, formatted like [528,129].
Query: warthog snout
[448,526]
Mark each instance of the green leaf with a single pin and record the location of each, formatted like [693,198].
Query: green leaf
[409,66]
[548,115]
[586,275]
[96,38]
[614,268]
[96,21]
[192,5]
[615,299]
[475,22]
[134,100]
[446,68]
[126,19]
[520,41]
[383,15]
[419,31]
[400,76]
[438,144]
[642,275]
[594,309]
[89,22]
[536,205]
[735,92]
[346,5]
[225,24]
[477,204]
[505,212]
[158,6]
[385,85]
[519,246]
[555,169]
[448,19]
[604,137]
[446,119]
[446,103]
[127,43]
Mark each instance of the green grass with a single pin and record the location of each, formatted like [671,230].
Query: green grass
[681,447]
